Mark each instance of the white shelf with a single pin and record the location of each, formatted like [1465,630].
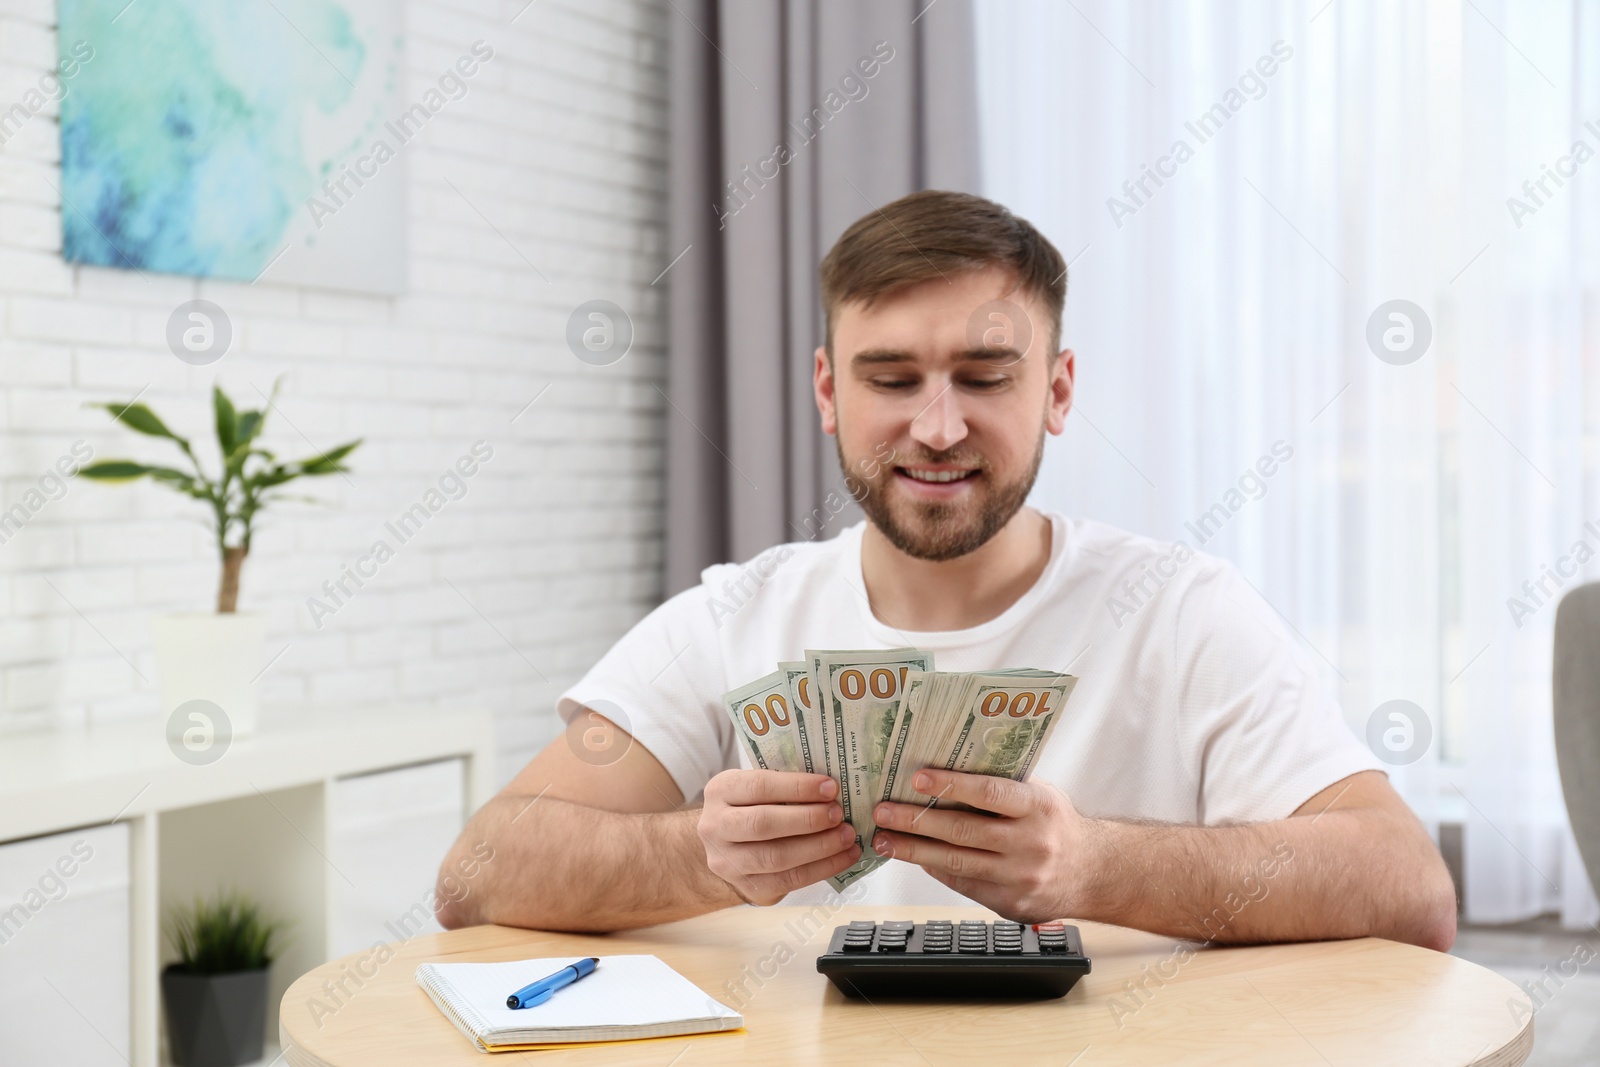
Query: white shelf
[65,778]
[259,817]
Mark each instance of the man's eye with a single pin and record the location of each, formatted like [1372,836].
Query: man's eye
[894,383]
[986,383]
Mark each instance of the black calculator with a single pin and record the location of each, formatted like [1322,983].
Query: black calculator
[971,958]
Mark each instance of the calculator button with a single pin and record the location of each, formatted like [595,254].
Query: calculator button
[891,946]
[862,924]
[857,946]
[1008,949]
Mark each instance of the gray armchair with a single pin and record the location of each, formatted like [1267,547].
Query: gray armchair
[1576,684]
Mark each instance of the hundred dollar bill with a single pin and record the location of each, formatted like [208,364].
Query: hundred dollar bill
[859,693]
[994,722]
[765,722]
[807,716]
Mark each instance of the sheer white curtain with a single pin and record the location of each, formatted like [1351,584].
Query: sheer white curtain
[1308,163]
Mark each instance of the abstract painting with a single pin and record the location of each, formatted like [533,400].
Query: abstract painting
[201,137]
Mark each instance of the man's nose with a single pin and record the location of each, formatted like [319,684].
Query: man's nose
[940,423]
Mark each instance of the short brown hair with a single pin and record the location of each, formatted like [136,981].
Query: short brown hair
[933,234]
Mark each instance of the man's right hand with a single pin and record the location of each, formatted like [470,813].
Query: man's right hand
[767,833]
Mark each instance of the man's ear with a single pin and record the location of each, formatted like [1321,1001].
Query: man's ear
[822,386]
[1061,387]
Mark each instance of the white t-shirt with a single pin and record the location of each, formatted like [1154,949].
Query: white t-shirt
[1194,705]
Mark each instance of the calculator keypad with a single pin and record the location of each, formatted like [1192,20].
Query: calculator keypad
[942,937]
[948,958]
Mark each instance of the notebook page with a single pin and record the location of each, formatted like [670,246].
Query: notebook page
[623,991]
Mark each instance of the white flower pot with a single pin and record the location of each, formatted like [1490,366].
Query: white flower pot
[211,657]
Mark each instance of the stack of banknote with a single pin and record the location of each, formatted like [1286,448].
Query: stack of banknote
[871,718]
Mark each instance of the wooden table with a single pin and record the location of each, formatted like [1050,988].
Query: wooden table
[1322,1004]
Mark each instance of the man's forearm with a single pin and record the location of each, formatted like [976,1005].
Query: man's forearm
[563,866]
[1340,874]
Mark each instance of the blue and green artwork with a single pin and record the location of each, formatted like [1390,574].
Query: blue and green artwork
[200,132]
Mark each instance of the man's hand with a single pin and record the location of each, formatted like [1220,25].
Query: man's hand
[769,832]
[1026,862]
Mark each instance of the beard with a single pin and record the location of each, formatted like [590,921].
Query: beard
[939,530]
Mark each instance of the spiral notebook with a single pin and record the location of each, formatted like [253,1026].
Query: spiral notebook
[626,998]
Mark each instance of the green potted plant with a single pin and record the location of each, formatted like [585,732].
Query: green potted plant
[216,993]
[215,656]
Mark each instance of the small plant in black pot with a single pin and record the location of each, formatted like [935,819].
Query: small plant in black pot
[216,994]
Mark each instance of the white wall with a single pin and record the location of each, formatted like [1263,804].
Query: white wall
[561,144]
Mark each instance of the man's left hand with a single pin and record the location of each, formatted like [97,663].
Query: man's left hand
[1028,862]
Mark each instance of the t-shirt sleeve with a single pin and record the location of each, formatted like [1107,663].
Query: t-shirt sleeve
[661,683]
[1270,734]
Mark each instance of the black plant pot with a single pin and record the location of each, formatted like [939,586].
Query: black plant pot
[215,1020]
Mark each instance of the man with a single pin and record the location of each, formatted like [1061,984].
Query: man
[1201,784]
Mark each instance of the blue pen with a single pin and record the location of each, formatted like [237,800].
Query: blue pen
[535,993]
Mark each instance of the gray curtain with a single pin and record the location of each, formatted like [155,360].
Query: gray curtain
[779,140]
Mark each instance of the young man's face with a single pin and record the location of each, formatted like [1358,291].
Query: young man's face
[940,397]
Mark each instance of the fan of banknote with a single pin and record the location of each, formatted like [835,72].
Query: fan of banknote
[871,718]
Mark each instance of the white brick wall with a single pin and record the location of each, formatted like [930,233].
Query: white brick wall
[561,143]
